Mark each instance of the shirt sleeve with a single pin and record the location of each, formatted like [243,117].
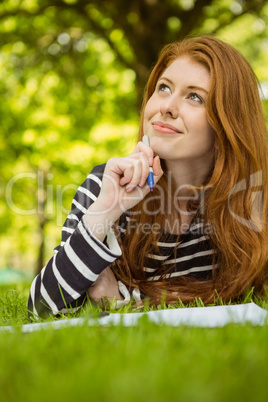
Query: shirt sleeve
[62,284]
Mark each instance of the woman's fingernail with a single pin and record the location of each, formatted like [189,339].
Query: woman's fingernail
[141,184]
[130,188]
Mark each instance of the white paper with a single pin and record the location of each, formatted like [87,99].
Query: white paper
[205,317]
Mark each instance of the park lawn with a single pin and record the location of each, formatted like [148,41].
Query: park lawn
[143,363]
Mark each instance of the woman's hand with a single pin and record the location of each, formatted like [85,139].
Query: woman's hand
[124,185]
[105,286]
[124,182]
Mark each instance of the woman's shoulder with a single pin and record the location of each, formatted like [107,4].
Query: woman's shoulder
[97,171]
[94,177]
[88,191]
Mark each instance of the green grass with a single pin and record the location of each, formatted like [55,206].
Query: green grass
[143,363]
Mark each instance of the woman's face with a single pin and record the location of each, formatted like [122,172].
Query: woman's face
[175,116]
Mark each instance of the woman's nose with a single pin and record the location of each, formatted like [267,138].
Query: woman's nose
[170,107]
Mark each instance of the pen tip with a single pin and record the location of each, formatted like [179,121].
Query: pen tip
[152,190]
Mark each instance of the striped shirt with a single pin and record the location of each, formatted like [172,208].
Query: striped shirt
[62,284]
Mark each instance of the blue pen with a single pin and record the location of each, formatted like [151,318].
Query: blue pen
[145,140]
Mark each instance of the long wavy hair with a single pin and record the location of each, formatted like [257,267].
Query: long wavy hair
[236,199]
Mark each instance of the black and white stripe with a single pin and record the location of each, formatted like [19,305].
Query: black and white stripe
[63,283]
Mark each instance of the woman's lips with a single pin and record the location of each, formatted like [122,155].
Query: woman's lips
[165,128]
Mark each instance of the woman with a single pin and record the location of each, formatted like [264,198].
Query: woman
[203,230]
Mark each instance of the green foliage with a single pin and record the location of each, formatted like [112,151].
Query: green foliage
[13,303]
[66,105]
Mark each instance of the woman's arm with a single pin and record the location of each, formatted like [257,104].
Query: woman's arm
[88,242]
[78,261]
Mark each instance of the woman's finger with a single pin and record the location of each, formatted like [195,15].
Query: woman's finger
[137,172]
[141,147]
[158,171]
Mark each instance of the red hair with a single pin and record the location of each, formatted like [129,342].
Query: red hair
[236,202]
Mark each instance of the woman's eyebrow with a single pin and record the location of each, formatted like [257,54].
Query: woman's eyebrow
[166,79]
[197,87]
[189,87]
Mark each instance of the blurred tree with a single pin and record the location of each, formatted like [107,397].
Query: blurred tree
[134,29]
[71,77]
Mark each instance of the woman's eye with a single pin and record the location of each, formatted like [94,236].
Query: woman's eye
[163,88]
[193,96]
